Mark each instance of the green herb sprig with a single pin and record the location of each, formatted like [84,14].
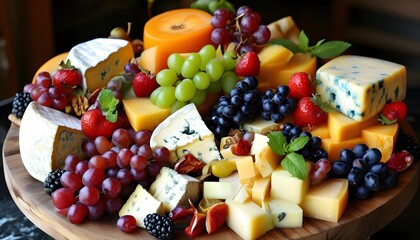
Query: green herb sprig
[292,162]
[321,49]
[108,105]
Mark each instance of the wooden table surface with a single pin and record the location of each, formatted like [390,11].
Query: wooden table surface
[361,218]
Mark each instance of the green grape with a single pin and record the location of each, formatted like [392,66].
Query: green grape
[215,69]
[207,52]
[195,57]
[189,68]
[166,97]
[185,90]
[199,97]
[166,77]
[154,95]
[201,80]
[177,105]
[228,81]
[229,61]
[175,61]
[214,87]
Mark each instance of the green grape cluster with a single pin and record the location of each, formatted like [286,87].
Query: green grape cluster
[189,79]
[211,6]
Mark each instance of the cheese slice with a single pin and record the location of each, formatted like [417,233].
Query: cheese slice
[184,132]
[173,189]
[139,204]
[284,214]
[100,59]
[46,137]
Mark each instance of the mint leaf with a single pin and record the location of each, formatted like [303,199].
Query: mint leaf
[277,142]
[287,44]
[295,164]
[330,49]
[108,105]
[297,143]
[303,41]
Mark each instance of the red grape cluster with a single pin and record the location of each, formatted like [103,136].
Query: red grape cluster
[45,93]
[244,29]
[114,167]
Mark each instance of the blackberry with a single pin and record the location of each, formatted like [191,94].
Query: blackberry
[159,226]
[52,182]
[407,142]
[20,102]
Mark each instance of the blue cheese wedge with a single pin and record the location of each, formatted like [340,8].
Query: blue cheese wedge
[46,137]
[173,189]
[359,87]
[139,204]
[184,132]
[100,59]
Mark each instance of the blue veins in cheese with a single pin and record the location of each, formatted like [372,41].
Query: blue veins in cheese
[139,204]
[358,86]
[173,189]
[46,137]
[100,59]
[184,132]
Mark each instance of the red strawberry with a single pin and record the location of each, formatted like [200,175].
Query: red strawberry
[144,84]
[301,85]
[393,112]
[94,124]
[248,65]
[309,112]
[67,78]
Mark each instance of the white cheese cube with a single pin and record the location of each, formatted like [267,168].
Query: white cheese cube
[284,214]
[219,190]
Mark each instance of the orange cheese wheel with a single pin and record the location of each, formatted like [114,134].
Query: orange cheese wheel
[181,31]
[51,65]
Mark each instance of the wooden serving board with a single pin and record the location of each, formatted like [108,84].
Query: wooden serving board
[361,218]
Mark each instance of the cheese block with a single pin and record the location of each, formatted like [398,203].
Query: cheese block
[259,125]
[225,148]
[287,187]
[334,148]
[321,131]
[261,190]
[248,220]
[284,214]
[266,161]
[173,189]
[46,137]
[326,201]
[341,127]
[284,28]
[100,59]
[260,141]
[139,204]
[246,168]
[360,86]
[184,132]
[242,194]
[220,190]
[382,137]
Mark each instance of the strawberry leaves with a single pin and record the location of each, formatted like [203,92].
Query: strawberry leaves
[108,105]
[293,162]
[321,49]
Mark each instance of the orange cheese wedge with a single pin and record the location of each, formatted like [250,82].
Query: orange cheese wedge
[51,65]
[180,31]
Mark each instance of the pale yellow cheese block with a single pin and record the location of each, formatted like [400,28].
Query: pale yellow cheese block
[341,127]
[382,137]
[334,148]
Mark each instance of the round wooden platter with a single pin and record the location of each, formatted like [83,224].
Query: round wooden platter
[361,218]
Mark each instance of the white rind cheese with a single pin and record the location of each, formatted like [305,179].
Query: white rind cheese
[360,86]
[173,189]
[184,132]
[46,137]
[139,204]
[100,59]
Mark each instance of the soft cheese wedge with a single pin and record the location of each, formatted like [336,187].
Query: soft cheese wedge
[184,132]
[139,204]
[46,137]
[100,59]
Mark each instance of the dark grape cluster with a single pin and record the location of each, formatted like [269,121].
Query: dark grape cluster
[244,29]
[276,105]
[363,170]
[159,226]
[20,102]
[233,110]
[409,143]
[312,150]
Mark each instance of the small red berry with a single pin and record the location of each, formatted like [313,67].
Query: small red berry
[301,85]
[144,84]
[393,112]
[248,65]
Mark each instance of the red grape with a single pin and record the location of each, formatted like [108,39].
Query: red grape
[142,137]
[89,195]
[60,103]
[81,167]
[145,151]
[138,162]
[98,161]
[93,177]
[220,36]
[127,224]
[121,138]
[97,210]
[111,187]
[29,87]
[124,176]
[138,175]
[261,35]
[131,68]
[71,180]
[123,157]
[70,162]
[154,168]
[102,144]
[62,212]
[63,198]
[45,99]
[114,85]
[161,155]
[89,148]
[111,158]
[77,213]
[112,205]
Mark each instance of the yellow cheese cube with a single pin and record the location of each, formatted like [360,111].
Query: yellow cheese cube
[260,142]
[246,168]
[334,148]
[225,149]
[382,137]
[266,161]
[326,201]
[242,194]
[284,214]
[274,55]
[321,131]
[248,220]
[260,190]
[260,125]
[143,114]
[219,190]
[287,187]
[341,127]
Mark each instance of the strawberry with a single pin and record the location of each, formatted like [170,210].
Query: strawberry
[393,112]
[144,84]
[67,78]
[309,111]
[248,65]
[301,85]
